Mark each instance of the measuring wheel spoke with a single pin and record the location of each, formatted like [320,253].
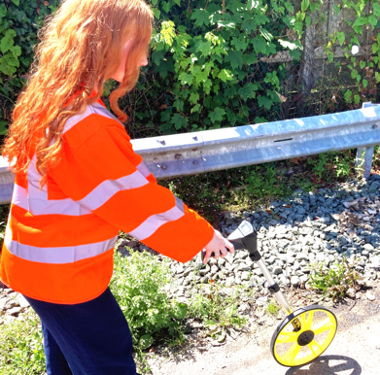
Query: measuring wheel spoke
[292,353]
[323,326]
[311,347]
[309,320]
[286,338]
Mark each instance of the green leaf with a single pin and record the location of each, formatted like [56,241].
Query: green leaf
[16,2]
[225,75]
[179,121]
[165,116]
[249,26]
[156,12]
[165,66]
[265,102]
[266,34]
[259,44]
[240,44]
[304,5]
[372,20]
[16,51]
[158,56]
[10,60]
[179,105]
[357,99]
[289,7]
[360,22]
[180,311]
[196,108]
[362,64]
[194,97]
[236,59]
[341,36]
[146,341]
[376,9]
[3,10]
[203,47]
[186,78]
[201,17]
[7,41]
[217,115]
[178,2]
[207,86]
[336,9]
[377,77]
[290,45]
[365,83]
[248,91]
[3,129]
[228,25]
[375,48]
[348,96]
[261,19]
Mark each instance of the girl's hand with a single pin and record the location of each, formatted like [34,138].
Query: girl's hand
[219,246]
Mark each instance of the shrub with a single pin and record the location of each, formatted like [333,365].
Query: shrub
[138,284]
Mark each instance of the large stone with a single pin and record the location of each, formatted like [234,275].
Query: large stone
[295,280]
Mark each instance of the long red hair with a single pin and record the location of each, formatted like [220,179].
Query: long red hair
[80,49]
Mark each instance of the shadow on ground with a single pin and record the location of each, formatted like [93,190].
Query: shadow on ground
[329,364]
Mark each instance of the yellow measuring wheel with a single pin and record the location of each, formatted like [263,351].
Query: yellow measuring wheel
[305,333]
[303,336]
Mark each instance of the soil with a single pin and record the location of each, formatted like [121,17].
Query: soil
[355,349]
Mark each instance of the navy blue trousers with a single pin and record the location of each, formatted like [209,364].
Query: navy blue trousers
[91,338]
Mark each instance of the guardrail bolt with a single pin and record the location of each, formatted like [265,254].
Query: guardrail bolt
[162,142]
[164,167]
[195,162]
[195,138]
[178,156]
[374,126]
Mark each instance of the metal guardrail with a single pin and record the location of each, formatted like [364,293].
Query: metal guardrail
[211,150]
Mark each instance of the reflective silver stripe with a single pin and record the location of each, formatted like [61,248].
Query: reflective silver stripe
[72,121]
[179,204]
[95,108]
[143,169]
[56,255]
[150,225]
[38,202]
[100,110]
[20,197]
[107,189]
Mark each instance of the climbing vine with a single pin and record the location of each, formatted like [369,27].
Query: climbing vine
[217,63]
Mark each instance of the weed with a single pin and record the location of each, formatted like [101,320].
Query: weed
[334,282]
[273,308]
[21,347]
[217,311]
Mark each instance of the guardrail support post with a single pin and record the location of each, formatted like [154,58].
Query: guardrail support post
[364,160]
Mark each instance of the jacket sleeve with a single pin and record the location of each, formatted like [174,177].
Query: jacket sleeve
[106,176]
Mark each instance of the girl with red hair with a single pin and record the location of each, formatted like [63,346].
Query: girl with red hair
[78,182]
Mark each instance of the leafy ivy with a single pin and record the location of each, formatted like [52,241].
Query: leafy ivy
[19,22]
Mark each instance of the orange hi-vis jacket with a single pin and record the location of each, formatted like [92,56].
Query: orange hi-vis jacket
[59,240]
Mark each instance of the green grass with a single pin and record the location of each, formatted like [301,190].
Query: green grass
[21,347]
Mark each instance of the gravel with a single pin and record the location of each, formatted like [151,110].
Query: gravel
[293,233]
